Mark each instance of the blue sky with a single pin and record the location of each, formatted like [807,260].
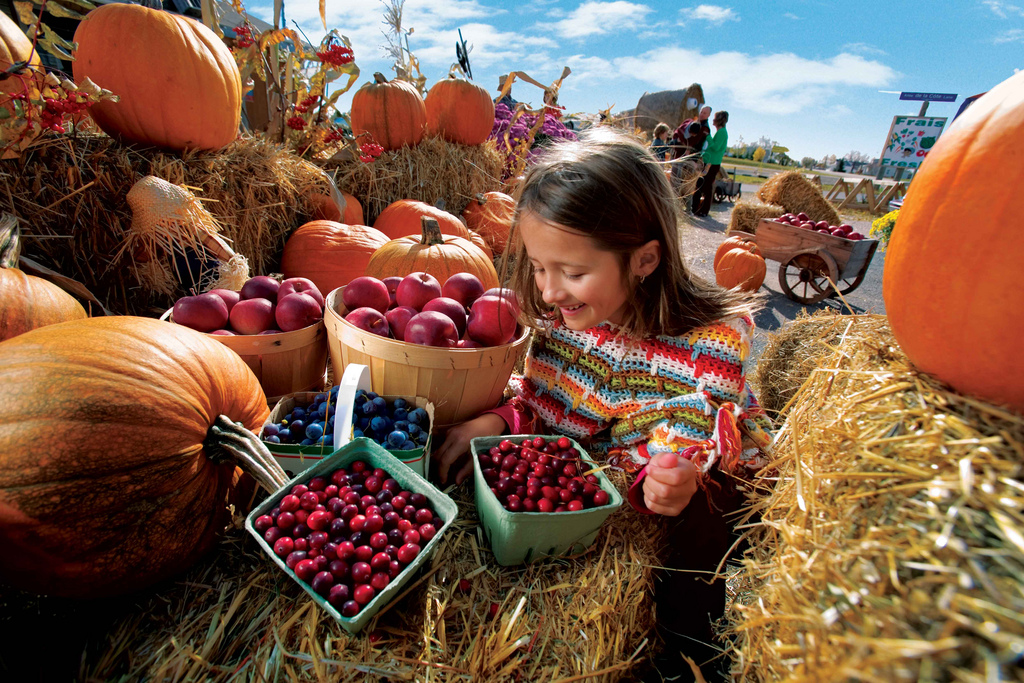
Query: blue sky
[802,72]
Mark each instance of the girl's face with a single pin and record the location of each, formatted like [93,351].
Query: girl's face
[584,282]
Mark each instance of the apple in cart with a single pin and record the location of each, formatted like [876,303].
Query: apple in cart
[822,225]
[846,227]
[855,236]
[807,225]
[803,217]
[823,231]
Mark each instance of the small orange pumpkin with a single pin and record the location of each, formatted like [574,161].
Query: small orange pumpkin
[330,254]
[490,215]
[741,267]
[440,255]
[324,209]
[732,242]
[459,111]
[392,112]
[404,218]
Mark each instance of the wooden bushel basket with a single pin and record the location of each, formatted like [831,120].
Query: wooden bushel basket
[459,382]
[284,363]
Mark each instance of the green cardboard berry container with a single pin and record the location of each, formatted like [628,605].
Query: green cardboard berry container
[375,456]
[522,537]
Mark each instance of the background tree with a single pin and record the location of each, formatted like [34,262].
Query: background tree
[759,154]
[808,162]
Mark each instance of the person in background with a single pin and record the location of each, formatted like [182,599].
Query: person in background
[712,156]
[637,358]
[659,146]
[691,134]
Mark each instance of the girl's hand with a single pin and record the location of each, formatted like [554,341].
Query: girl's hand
[670,483]
[456,443]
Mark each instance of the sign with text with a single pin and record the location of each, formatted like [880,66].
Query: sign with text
[910,139]
[928,96]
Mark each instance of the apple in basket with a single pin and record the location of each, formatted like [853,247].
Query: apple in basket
[451,308]
[492,320]
[296,311]
[506,294]
[369,319]
[398,317]
[252,316]
[463,287]
[230,297]
[260,287]
[295,285]
[431,328]
[392,284]
[204,312]
[366,292]
[416,289]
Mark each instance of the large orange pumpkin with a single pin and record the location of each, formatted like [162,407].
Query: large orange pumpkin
[178,84]
[732,242]
[330,254]
[434,253]
[16,47]
[28,302]
[392,112]
[490,215]
[324,209]
[741,267]
[459,111]
[952,283]
[404,217]
[115,469]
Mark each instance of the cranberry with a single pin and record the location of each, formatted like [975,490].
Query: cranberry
[317,484]
[493,610]
[503,487]
[409,512]
[380,474]
[263,522]
[306,570]
[331,491]
[339,594]
[427,531]
[336,506]
[484,459]
[274,512]
[564,495]
[521,491]
[357,523]
[551,447]
[339,478]
[437,522]
[496,460]
[537,442]
[380,561]
[338,527]
[384,497]
[395,536]
[385,508]
[339,569]
[299,489]
[373,484]
[313,553]
[464,585]
[294,557]
[411,536]
[321,498]
[394,569]
[301,516]
[540,470]
[364,553]
[350,608]
[301,544]
[366,501]
[378,540]
[513,504]
[570,470]
[391,486]
[592,478]
[318,539]
[352,498]
[290,503]
[424,515]
[529,505]
[392,550]
[601,497]
[564,442]
[391,519]
[361,572]
[299,531]
[494,450]
[574,505]
[561,508]
[358,466]
[322,582]
[346,550]
[309,500]
[359,538]
[408,552]
[576,486]
[545,505]
[363,593]
[349,511]
[518,478]
[403,525]
[506,446]
[330,550]
[589,489]
[380,580]
[318,520]
[418,499]
[285,520]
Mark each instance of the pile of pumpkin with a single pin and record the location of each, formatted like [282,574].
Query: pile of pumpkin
[739,263]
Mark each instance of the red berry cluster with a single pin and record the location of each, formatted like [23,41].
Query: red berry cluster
[333,135]
[51,116]
[369,151]
[336,55]
[540,476]
[349,534]
[296,123]
[243,36]
[303,106]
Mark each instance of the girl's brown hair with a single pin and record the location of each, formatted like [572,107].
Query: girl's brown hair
[609,187]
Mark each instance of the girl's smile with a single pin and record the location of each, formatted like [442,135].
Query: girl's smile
[585,283]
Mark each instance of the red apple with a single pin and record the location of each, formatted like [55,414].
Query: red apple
[223,333]
[297,310]
[252,316]
[492,321]
[204,312]
[451,308]
[369,319]
[803,217]
[431,328]
[366,292]
[468,344]
[464,288]
[824,231]
[847,228]
[822,225]
[505,293]
[229,296]
[260,287]
[300,284]
[398,317]
[854,236]
[416,289]
[807,225]
[392,284]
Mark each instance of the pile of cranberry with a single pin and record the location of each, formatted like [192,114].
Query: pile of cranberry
[540,476]
[350,533]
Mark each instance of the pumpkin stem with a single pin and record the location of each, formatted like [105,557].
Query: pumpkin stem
[227,441]
[378,77]
[10,241]
[431,232]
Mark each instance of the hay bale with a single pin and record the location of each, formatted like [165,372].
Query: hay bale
[71,194]
[890,547]
[432,170]
[746,215]
[236,616]
[796,194]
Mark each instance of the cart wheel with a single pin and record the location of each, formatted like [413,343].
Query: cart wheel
[849,284]
[805,278]
[719,195]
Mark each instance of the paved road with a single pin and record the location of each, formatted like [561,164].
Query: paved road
[702,237]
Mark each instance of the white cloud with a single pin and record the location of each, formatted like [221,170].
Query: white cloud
[790,15]
[1003,9]
[596,18]
[489,46]
[714,14]
[781,83]
[863,48]
[1014,35]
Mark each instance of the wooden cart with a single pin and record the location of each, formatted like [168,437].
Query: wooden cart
[810,262]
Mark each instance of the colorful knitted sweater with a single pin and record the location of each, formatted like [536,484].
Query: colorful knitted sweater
[657,395]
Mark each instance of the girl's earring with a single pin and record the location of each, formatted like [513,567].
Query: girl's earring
[642,278]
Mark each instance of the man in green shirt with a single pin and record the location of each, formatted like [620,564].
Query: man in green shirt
[712,156]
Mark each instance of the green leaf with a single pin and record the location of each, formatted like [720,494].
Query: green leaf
[50,35]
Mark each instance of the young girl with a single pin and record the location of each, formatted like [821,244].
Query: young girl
[634,357]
